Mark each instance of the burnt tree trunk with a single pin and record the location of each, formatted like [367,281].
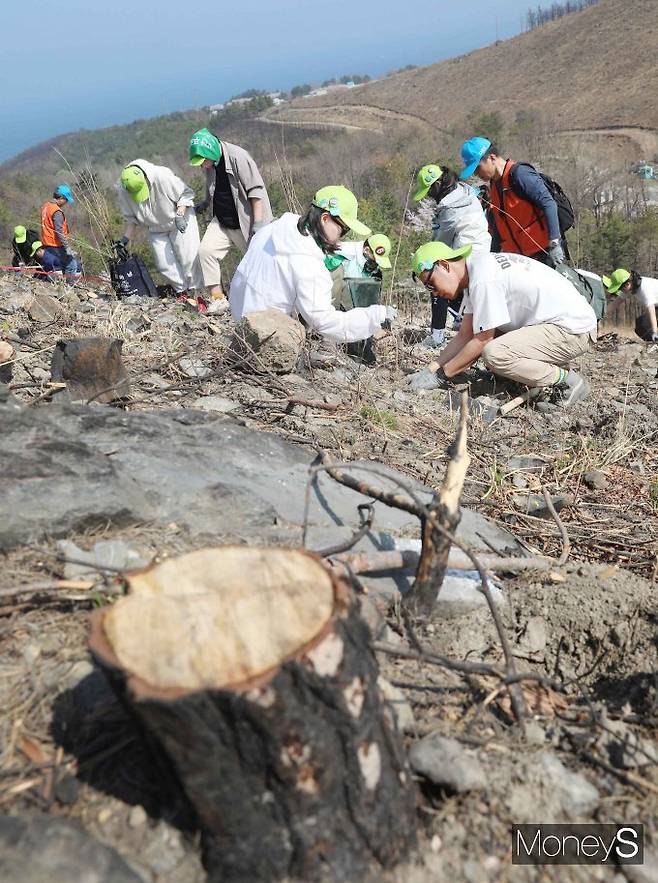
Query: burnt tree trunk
[252,669]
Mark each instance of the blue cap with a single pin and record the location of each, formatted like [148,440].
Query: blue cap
[472,152]
[65,191]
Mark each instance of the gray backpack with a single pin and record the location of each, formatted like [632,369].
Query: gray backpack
[591,289]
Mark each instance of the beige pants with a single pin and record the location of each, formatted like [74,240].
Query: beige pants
[531,355]
[213,249]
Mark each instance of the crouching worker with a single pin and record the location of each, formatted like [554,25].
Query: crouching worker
[154,197]
[50,263]
[522,318]
[646,290]
[285,269]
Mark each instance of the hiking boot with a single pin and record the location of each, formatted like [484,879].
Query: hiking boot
[574,388]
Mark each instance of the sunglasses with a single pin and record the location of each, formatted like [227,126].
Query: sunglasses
[426,285]
[344,229]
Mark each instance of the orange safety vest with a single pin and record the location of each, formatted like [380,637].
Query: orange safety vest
[520,225]
[48,235]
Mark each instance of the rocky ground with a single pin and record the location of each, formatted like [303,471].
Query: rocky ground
[586,749]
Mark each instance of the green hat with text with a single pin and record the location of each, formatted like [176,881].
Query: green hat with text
[381,248]
[425,178]
[204,145]
[616,280]
[428,254]
[341,203]
[134,181]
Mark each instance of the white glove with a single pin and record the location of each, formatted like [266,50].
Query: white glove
[391,314]
[181,223]
[556,253]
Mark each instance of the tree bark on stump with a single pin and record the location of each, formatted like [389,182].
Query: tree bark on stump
[92,369]
[253,670]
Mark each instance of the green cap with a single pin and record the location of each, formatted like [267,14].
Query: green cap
[607,281]
[381,248]
[616,280]
[428,254]
[426,177]
[341,203]
[204,145]
[134,181]
[20,234]
[35,248]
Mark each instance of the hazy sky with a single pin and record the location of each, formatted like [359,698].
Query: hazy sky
[72,64]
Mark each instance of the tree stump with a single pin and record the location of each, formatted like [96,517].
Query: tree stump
[92,369]
[252,668]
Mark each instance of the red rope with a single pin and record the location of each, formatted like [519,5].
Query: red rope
[35,271]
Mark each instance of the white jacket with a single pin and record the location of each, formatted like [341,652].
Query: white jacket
[285,270]
[459,220]
[166,193]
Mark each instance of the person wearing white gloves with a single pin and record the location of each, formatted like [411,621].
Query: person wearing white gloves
[284,269]
[154,197]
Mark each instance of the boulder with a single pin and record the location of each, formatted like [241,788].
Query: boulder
[268,341]
[446,763]
[44,308]
[38,848]
[7,354]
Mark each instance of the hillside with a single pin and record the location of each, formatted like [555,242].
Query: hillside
[590,70]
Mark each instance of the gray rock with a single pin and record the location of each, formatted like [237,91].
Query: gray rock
[111,554]
[268,341]
[7,354]
[526,463]
[533,504]
[460,594]
[548,790]
[38,848]
[215,403]
[404,716]
[44,308]
[194,368]
[625,748]
[595,480]
[646,872]
[447,763]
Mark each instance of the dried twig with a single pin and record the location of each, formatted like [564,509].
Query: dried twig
[566,545]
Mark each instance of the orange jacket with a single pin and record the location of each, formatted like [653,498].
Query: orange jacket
[48,235]
[520,225]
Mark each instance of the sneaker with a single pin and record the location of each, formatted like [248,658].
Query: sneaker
[182,298]
[201,305]
[573,389]
[218,306]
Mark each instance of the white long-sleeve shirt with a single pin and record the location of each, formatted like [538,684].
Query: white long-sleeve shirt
[284,270]
[166,193]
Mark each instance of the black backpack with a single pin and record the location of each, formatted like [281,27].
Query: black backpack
[128,274]
[565,212]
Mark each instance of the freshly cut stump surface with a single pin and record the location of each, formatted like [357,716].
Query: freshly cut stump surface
[252,669]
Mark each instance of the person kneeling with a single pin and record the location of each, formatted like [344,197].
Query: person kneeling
[523,318]
[284,269]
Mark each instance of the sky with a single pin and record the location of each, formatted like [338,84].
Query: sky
[73,64]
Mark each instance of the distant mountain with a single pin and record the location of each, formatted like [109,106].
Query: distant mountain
[594,69]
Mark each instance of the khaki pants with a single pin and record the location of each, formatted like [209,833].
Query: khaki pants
[531,355]
[213,249]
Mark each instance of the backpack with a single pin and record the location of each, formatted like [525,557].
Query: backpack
[128,275]
[591,289]
[565,213]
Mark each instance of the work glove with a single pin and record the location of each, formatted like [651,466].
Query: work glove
[556,253]
[391,315]
[428,379]
[654,338]
[123,241]
[200,207]
[181,223]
